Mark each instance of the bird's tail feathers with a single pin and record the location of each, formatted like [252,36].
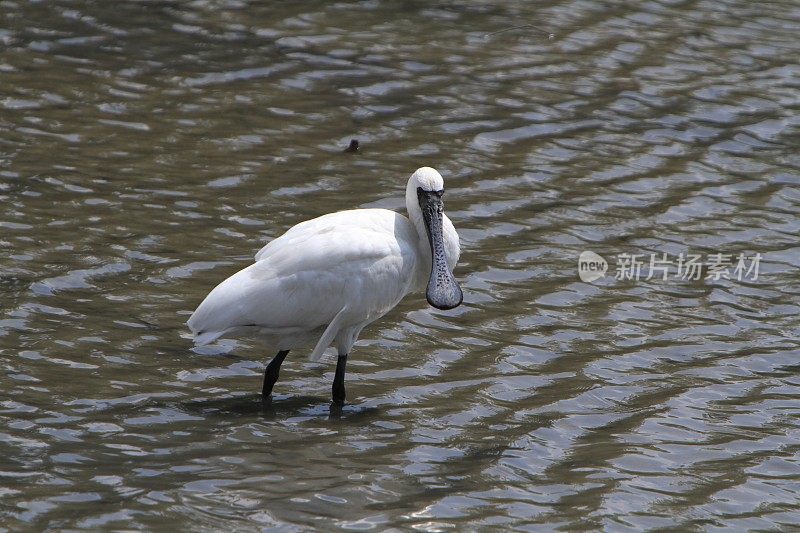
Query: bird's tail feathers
[206,337]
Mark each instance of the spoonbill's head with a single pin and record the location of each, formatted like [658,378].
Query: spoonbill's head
[428,179]
[443,291]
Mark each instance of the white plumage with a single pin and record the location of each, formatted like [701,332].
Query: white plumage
[325,279]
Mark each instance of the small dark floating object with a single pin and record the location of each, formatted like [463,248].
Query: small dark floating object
[353,146]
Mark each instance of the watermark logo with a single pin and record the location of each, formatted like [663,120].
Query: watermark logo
[716,266]
[591,266]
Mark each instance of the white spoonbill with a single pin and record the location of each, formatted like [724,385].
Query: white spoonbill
[327,278]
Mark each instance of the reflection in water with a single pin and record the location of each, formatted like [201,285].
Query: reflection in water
[147,149]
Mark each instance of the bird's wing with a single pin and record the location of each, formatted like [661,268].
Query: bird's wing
[305,278]
[302,231]
[292,234]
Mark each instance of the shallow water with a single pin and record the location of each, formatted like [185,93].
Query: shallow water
[148,149]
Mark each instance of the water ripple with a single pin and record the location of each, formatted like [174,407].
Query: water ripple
[149,149]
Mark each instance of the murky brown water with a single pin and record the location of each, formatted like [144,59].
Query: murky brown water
[148,149]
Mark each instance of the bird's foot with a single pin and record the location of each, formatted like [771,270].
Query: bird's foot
[338,397]
[335,410]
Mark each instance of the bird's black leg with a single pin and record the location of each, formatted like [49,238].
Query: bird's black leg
[271,374]
[338,380]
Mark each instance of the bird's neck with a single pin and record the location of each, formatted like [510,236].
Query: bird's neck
[423,243]
[415,215]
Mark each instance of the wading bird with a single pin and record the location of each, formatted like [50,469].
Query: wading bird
[326,278]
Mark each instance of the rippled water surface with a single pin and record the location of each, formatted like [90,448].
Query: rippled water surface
[148,149]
